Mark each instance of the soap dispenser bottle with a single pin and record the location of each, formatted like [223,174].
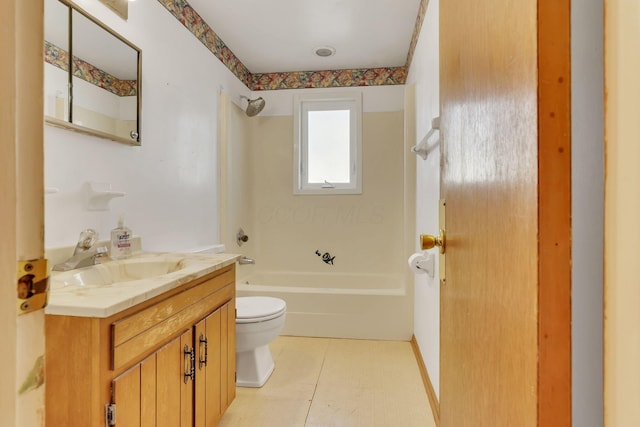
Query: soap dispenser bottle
[120,241]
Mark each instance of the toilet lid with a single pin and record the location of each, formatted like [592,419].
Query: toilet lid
[257,309]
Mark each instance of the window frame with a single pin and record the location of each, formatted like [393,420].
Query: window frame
[302,104]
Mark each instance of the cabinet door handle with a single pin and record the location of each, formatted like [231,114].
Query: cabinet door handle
[205,341]
[189,363]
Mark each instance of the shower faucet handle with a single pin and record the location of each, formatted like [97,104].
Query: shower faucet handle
[241,237]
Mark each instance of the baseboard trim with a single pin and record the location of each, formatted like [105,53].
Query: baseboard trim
[431,394]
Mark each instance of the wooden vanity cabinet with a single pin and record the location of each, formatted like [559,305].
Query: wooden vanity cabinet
[169,361]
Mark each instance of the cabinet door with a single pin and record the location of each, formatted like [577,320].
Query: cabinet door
[156,392]
[187,385]
[224,356]
[126,396]
[208,384]
[174,387]
[148,391]
[231,352]
[228,353]
[134,393]
[215,376]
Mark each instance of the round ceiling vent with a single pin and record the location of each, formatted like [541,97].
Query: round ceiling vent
[324,51]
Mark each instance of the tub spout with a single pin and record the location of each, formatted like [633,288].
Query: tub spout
[244,260]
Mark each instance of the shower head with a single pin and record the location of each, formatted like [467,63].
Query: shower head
[254,106]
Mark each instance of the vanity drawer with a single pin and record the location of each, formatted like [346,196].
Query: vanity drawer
[139,334]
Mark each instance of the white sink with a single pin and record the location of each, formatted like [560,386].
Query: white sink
[117,272]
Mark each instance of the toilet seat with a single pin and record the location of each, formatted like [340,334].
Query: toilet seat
[258,309]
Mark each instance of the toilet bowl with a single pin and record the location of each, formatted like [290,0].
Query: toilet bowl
[259,321]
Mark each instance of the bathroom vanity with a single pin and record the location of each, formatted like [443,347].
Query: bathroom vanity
[156,351]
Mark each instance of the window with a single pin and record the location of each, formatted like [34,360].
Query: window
[327,144]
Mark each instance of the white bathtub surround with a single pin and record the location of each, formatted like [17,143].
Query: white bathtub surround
[366,290]
[334,305]
[209,249]
[69,297]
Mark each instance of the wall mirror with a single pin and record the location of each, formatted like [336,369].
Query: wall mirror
[91,76]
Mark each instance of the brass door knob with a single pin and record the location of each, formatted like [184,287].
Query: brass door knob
[427,241]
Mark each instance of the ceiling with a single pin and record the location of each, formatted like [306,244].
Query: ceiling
[282,35]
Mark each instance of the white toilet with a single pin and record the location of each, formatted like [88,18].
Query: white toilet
[259,321]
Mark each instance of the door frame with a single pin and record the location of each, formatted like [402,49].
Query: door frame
[8,319]
[622,209]
[554,213]
[22,189]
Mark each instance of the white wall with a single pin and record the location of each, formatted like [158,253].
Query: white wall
[424,74]
[171,181]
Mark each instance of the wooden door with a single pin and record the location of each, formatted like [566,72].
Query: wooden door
[148,391]
[153,393]
[505,129]
[134,393]
[228,356]
[174,390]
[230,310]
[208,373]
[126,395]
[215,375]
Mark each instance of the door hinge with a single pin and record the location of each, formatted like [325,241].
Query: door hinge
[32,285]
[110,414]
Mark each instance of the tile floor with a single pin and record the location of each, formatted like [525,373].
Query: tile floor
[324,382]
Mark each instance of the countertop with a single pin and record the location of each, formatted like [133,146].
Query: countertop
[106,300]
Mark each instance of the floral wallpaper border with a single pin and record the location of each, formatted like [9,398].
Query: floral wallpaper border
[329,78]
[193,22]
[58,57]
[422,11]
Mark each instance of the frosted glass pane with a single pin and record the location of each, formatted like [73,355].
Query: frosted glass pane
[328,146]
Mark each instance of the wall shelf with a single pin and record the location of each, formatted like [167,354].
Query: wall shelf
[99,194]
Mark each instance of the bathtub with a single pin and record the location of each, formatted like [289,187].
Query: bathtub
[365,306]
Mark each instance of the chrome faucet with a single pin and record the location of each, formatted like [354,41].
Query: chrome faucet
[244,261]
[84,254]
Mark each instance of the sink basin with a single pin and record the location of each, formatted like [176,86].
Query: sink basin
[117,271]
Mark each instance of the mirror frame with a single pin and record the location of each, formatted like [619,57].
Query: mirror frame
[86,130]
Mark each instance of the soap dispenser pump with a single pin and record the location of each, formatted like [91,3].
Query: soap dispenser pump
[120,241]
